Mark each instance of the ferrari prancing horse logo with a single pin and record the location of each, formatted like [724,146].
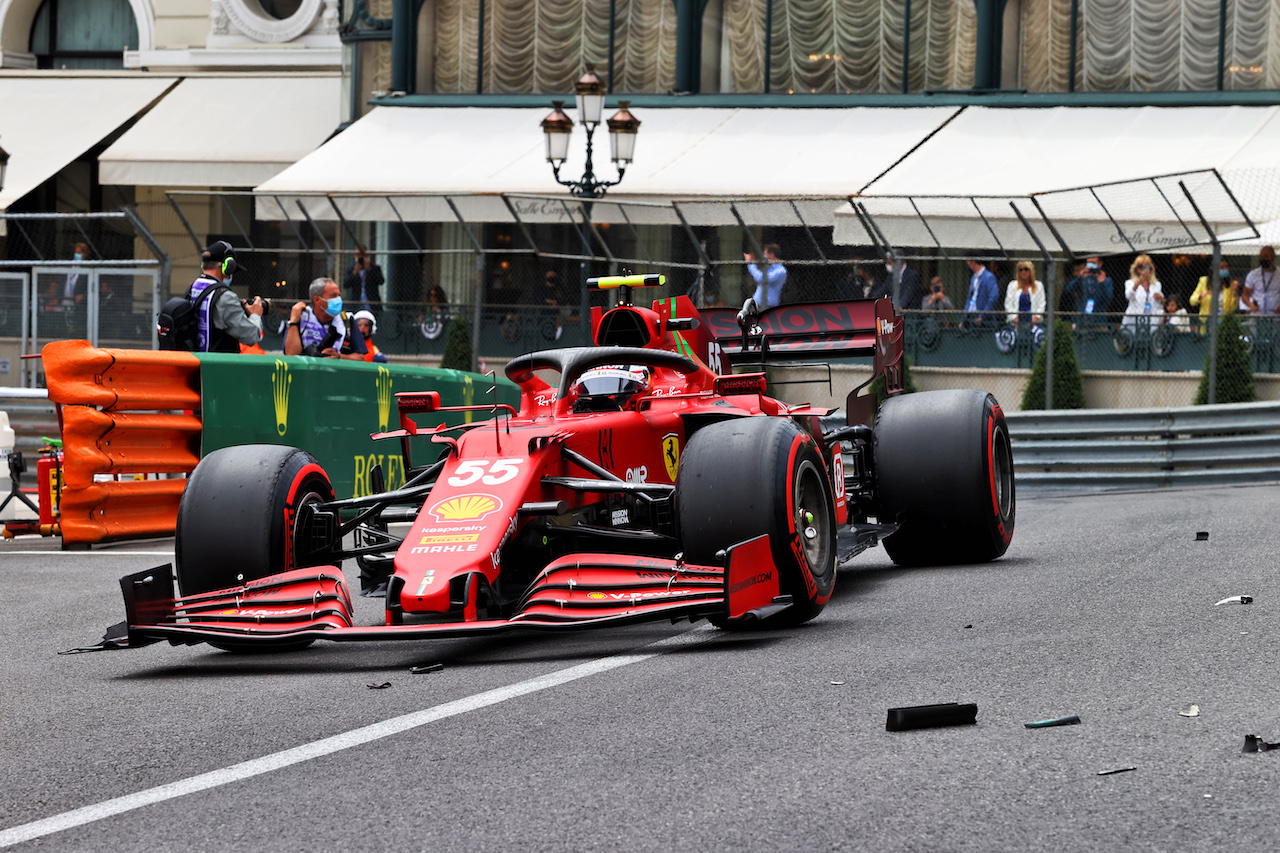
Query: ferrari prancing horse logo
[671,454]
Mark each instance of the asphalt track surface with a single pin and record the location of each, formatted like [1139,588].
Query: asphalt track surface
[671,737]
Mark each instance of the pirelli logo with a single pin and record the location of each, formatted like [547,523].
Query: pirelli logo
[450,539]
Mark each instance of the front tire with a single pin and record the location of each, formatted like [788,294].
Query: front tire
[745,477]
[236,516]
[944,472]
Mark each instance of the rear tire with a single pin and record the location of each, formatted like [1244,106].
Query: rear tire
[745,477]
[235,520]
[944,472]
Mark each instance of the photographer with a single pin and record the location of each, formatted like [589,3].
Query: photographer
[1089,293]
[936,300]
[364,283]
[230,321]
[321,328]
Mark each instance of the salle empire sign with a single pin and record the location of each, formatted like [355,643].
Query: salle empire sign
[542,209]
[1156,236]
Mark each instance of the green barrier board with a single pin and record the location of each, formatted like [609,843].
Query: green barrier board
[330,407]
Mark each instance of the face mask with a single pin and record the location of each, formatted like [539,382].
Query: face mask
[1265,264]
[79,256]
[334,306]
[227,281]
[1224,273]
[888,267]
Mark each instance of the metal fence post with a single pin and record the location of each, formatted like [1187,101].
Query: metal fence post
[1051,272]
[1051,278]
[1215,281]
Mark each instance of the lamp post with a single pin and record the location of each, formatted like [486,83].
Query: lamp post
[558,128]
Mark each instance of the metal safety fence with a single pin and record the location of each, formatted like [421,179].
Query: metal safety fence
[97,276]
[512,268]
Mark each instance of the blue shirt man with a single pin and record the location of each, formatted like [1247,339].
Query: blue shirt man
[769,284]
[984,293]
[1090,293]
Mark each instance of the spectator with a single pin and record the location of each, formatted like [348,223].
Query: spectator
[1261,290]
[553,296]
[367,326]
[1024,298]
[432,321]
[321,328]
[854,284]
[364,282]
[1176,316]
[936,300]
[910,286]
[1142,291]
[984,293]
[76,286]
[769,284]
[1089,293]
[857,282]
[229,321]
[1228,299]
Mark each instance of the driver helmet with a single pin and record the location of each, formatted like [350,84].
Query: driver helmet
[616,381]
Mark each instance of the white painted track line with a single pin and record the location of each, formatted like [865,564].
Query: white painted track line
[336,743]
[4,551]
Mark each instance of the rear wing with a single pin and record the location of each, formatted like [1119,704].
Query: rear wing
[818,330]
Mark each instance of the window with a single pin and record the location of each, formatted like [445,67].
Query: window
[83,33]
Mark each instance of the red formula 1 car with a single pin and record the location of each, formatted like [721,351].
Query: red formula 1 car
[649,482]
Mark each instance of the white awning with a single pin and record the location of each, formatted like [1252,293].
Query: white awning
[47,122]
[226,132]
[1091,169]
[996,151]
[415,155]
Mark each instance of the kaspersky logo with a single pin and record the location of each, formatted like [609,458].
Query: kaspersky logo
[383,384]
[280,382]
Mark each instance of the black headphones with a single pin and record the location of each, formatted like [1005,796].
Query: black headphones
[229,262]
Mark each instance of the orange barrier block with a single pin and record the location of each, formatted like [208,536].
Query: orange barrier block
[116,443]
[119,379]
[116,408]
[103,512]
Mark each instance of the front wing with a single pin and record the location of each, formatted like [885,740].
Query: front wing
[573,592]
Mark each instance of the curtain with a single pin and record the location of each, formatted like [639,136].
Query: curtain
[541,46]
[846,46]
[1150,45]
[856,46]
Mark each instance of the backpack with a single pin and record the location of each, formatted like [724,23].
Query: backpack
[178,324]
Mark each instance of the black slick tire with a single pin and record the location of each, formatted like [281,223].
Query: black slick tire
[744,477]
[944,472]
[235,520]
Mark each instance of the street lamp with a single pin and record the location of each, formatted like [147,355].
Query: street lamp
[558,127]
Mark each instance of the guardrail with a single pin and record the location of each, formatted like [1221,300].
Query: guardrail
[1105,449]
[31,415]
[1110,449]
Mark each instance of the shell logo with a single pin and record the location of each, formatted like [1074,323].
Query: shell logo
[465,508]
[595,596]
